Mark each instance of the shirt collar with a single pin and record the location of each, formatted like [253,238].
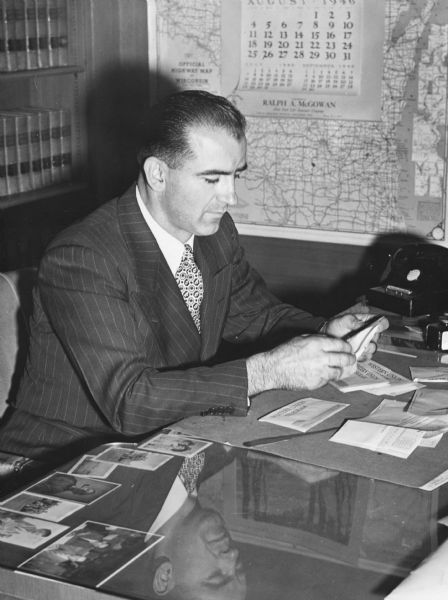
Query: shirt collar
[171,248]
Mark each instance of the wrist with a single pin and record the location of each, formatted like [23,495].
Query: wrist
[258,374]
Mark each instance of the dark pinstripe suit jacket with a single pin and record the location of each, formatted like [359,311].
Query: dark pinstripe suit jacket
[114,352]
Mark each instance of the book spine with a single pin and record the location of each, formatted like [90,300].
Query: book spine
[23,153]
[32,42]
[20,41]
[60,44]
[55,145]
[66,144]
[44,128]
[4,50]
[11,154]
[4,183]
[43,44]
[52,32]
[10,33]
[35,149]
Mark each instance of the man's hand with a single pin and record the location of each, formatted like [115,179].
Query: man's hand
[341,325]
[305,362]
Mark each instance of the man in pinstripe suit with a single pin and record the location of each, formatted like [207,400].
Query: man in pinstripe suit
[114,351]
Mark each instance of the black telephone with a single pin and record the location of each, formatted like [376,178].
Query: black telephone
[414,282]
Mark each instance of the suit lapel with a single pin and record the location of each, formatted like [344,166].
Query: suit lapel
[159,296]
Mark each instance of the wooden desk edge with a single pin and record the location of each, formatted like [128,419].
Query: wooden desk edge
[15,585]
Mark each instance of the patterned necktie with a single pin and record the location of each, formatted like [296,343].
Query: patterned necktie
[189,472]
[189,280]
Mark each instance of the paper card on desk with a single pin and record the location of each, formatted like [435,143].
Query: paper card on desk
[429,402]
[395,389]
[303,414]
[436,482]
[387,439]
[393,412]
[374,378]
[431,440]
[429,374]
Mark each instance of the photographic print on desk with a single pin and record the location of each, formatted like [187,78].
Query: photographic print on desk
[42,507]
[89,554]
[73,487]
[174,443]
[25,531]
[90,467]
[295,504]
[137,459]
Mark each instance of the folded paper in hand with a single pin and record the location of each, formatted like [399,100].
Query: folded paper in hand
[361,338]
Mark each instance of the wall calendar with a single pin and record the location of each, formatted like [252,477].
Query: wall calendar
[305,57]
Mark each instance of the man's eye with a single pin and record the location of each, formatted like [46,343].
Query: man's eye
[212,180]
[237,175]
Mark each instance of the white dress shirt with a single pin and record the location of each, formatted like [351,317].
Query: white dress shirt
[171,248]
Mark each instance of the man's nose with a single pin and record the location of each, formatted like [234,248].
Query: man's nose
[228,193]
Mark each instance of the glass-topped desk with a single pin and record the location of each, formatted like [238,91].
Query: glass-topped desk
[211,521]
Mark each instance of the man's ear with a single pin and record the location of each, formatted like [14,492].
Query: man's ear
[155,173]
[163,581]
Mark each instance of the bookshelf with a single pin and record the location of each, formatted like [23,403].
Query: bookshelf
[42,83]
[44,174]
[104,83]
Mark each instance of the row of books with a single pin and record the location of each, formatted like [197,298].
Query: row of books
[33,34]
[35,148]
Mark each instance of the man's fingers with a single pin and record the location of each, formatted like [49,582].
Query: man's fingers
[341,360]
[336,345]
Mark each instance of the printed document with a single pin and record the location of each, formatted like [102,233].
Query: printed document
[374,378]
[387,439]
[303,414]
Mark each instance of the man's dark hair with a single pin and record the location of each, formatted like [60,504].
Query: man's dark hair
[171,120]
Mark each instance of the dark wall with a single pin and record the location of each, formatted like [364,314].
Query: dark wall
[323,278]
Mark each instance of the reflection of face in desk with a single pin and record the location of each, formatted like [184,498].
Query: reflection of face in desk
[198,559]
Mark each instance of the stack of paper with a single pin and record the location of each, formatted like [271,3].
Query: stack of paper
[392,429]
[430,374]
[430,402]
[374,378]
[393,412]
[387,439]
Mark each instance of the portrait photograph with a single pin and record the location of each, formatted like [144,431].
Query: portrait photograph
[89,554]
[28,532]
[137,459]
[43,507]
[90,467]
[173,443]
[73,487]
